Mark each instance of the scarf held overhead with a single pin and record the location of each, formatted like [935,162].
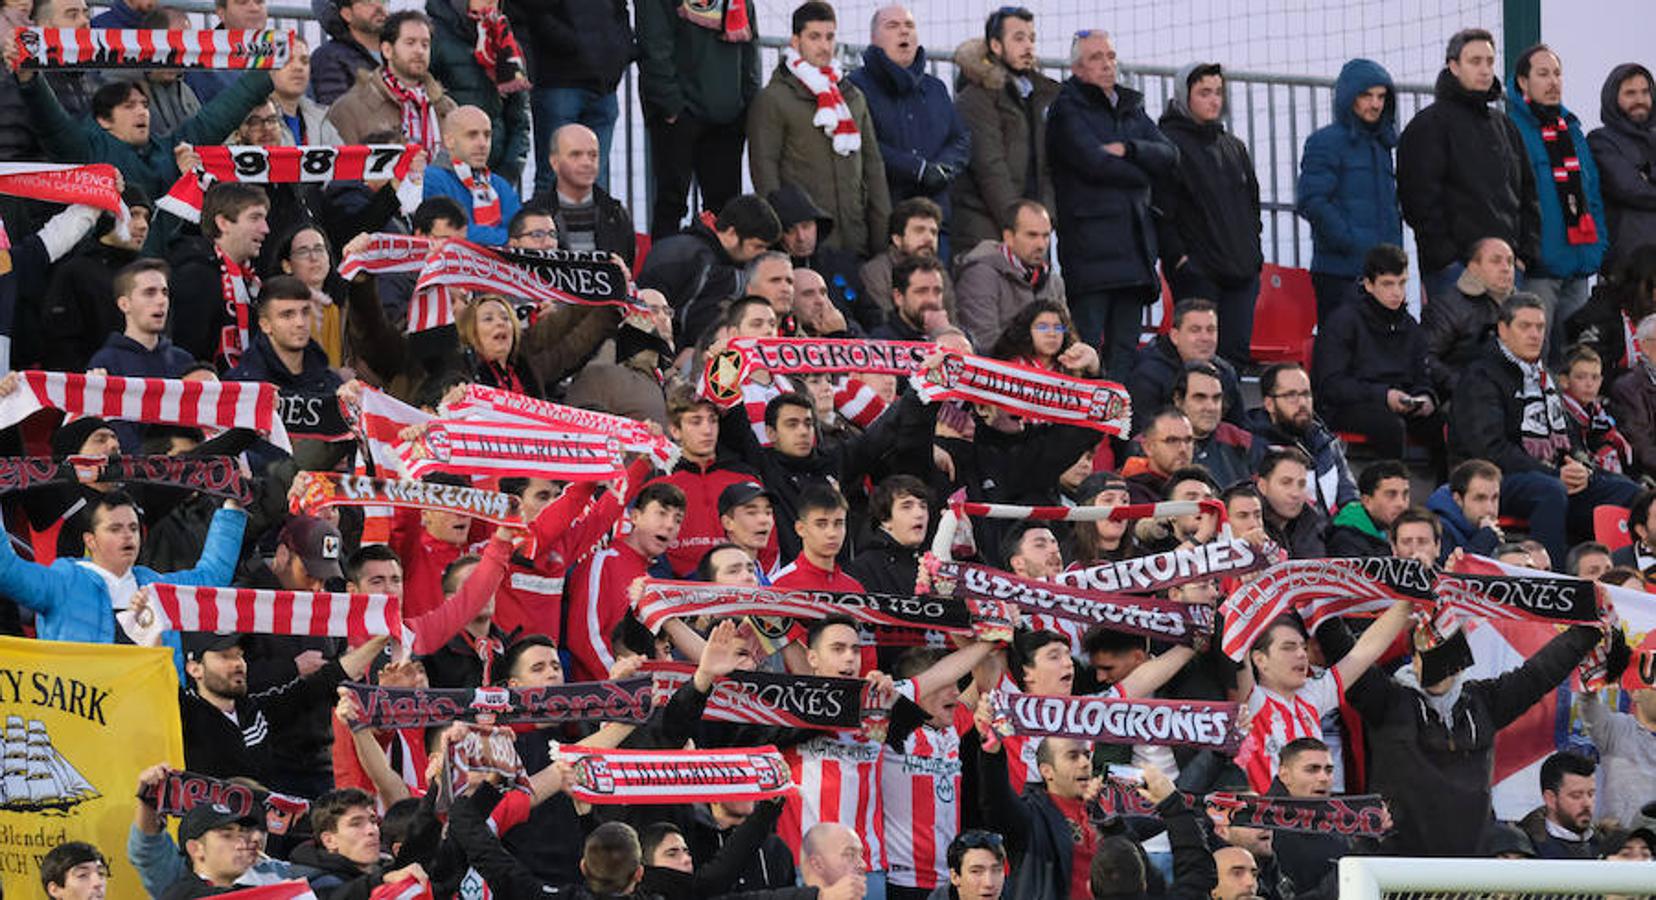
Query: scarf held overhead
[1356,816]
[1159,571]
[1319,589]
[218,476]
[728,369]
[213,405]
[677,776]
[500,449]
[181,792]
[627,700]
[1162,723]
[105,48]
[321,490]
[251,164]
[557,276]
[771,698]
[663,600]
[483,403]
[1028,392]
[1165,620]
[356,617]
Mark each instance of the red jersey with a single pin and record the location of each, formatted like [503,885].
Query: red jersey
[1278,719]
[530,601]
[806,575]
[597,603]
[423,560]
[701,530]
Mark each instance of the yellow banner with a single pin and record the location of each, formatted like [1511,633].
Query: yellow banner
[78,722]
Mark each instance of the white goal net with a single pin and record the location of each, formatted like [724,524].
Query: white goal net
[1397,878]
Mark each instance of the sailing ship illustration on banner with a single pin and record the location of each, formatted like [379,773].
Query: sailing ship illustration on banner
[36,776]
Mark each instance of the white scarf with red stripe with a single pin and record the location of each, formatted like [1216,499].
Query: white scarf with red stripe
[1028,392]
[310,164]
[218,48]
[503,450]
[430,306]
[482,403]
[356,617]
[237,285]
[485,200]
[833,116]
[214,405]
[677,776]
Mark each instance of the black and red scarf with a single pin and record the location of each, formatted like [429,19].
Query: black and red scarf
[497,50]
[728,17]
[1579,226]
[419,119]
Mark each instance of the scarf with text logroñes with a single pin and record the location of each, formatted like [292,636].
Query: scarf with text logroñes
[107,48]
[218,476]
[1320,589]
[1159,571]
[1354,816]
[321,490]
[311,164]
[1108,720]
[1028,392]
[487,750]
[356,617]
[215,405]
[628,700]
[833,116]
[1164,620]
[729,368]
[772,698]
[557,276]
[401,253]
[677,776]
[483,403]
[501,450]
[182,791]
[984,619]
[728,17]
[419,115]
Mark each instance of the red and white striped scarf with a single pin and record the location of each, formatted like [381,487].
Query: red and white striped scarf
[430,307]
[1319,589]
[485,200]
[312,164]
[482,403]
[379,418]
[497,50]
[238,285]
[215,405]
[833,116]
[727,370]
[356,617]
[728,17]
[557,276]
[677,776]
[984,619]
[502,450]
[103,48]
[281,890]
[1117,720]
[1028,392]
[419,116]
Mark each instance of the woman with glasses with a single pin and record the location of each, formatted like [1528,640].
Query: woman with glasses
[304,252]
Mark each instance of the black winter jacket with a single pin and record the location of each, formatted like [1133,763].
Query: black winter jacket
[696,274]
[615,226]
[1626,157]
[78,312]
[214,745]
[1485,419]
[769,863]
[584,44]
[1462,175]
[1364,350]
[1210,207]
[1334,482]
[1104,200]
[1459,326]
[884,566]
[197,298]
[1151,385]
[1302,536]
[1434,775]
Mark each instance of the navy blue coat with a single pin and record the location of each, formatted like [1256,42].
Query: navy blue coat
[121,355]
[916,122]
[1347,188]
[1103,199]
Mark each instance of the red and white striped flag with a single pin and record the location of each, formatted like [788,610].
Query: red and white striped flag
[502,450]
[406,889]
[387,253]
[281,890]
[357,617]
[216,405]
[482,403]
[104,48]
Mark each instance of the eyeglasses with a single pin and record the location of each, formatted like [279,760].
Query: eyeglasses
[315,251]
[1049,328]
[541,234]
[261,121]
[1291,395]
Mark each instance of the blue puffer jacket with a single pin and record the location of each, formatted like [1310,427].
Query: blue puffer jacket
[1347,188]
[71,602]
[1103,199]
[1559,257]
[916,121]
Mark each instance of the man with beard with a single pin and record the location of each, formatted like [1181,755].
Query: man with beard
[1287,418]
[914,233]
[227,731]
[598,587]
[917,301]
[1625,149]
[1562,826]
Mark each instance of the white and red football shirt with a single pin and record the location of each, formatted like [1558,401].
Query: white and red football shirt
[1279,719]
[920,789]
[838,774]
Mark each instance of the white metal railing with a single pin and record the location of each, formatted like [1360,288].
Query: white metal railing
[1371,877]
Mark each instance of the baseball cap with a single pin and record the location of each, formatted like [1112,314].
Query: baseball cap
[741,493]
[204,817]
[317,542]
[199,642]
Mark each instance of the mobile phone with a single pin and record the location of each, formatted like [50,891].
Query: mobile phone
[1128,775]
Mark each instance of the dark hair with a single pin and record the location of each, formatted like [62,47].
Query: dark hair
[1201,71]
[682,398]
[752,217]
[1572,559]
[229,199]
[392,29]
[670,496]
[891,489]
[1417,515]
[437,209]
[1194,472]
[652,836]
[1262,644]
[994,28]
[109,500]
[1634,282]
[1020,206]
[1101,638]
[1521,66]
[975,839]
[1117,869]
[610,858]
[1012,542]
[331,807]
[1297,746]
[1638,512]
[1273,372]
[1025,644]
[1241,489]
[1461,38]
[1385,259]
[509,659]
[1476,248]
[629,634]
[451,573]
[158,438]
[1192,305]
[55,865]
[398,822]
[912,208]
[111,95]
[704,566]
[126,278]
[281,287]
[736,309]
[773,409]
[1016,339]
[1564,762]
[1521,300]
[1578,353]
[902,274]
[1181,382]
[915,660]
[1369,481]
[518,223]
[366,554]
[1460,477]
[816,628]
[1276,456]
[811,11]
[819,496]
